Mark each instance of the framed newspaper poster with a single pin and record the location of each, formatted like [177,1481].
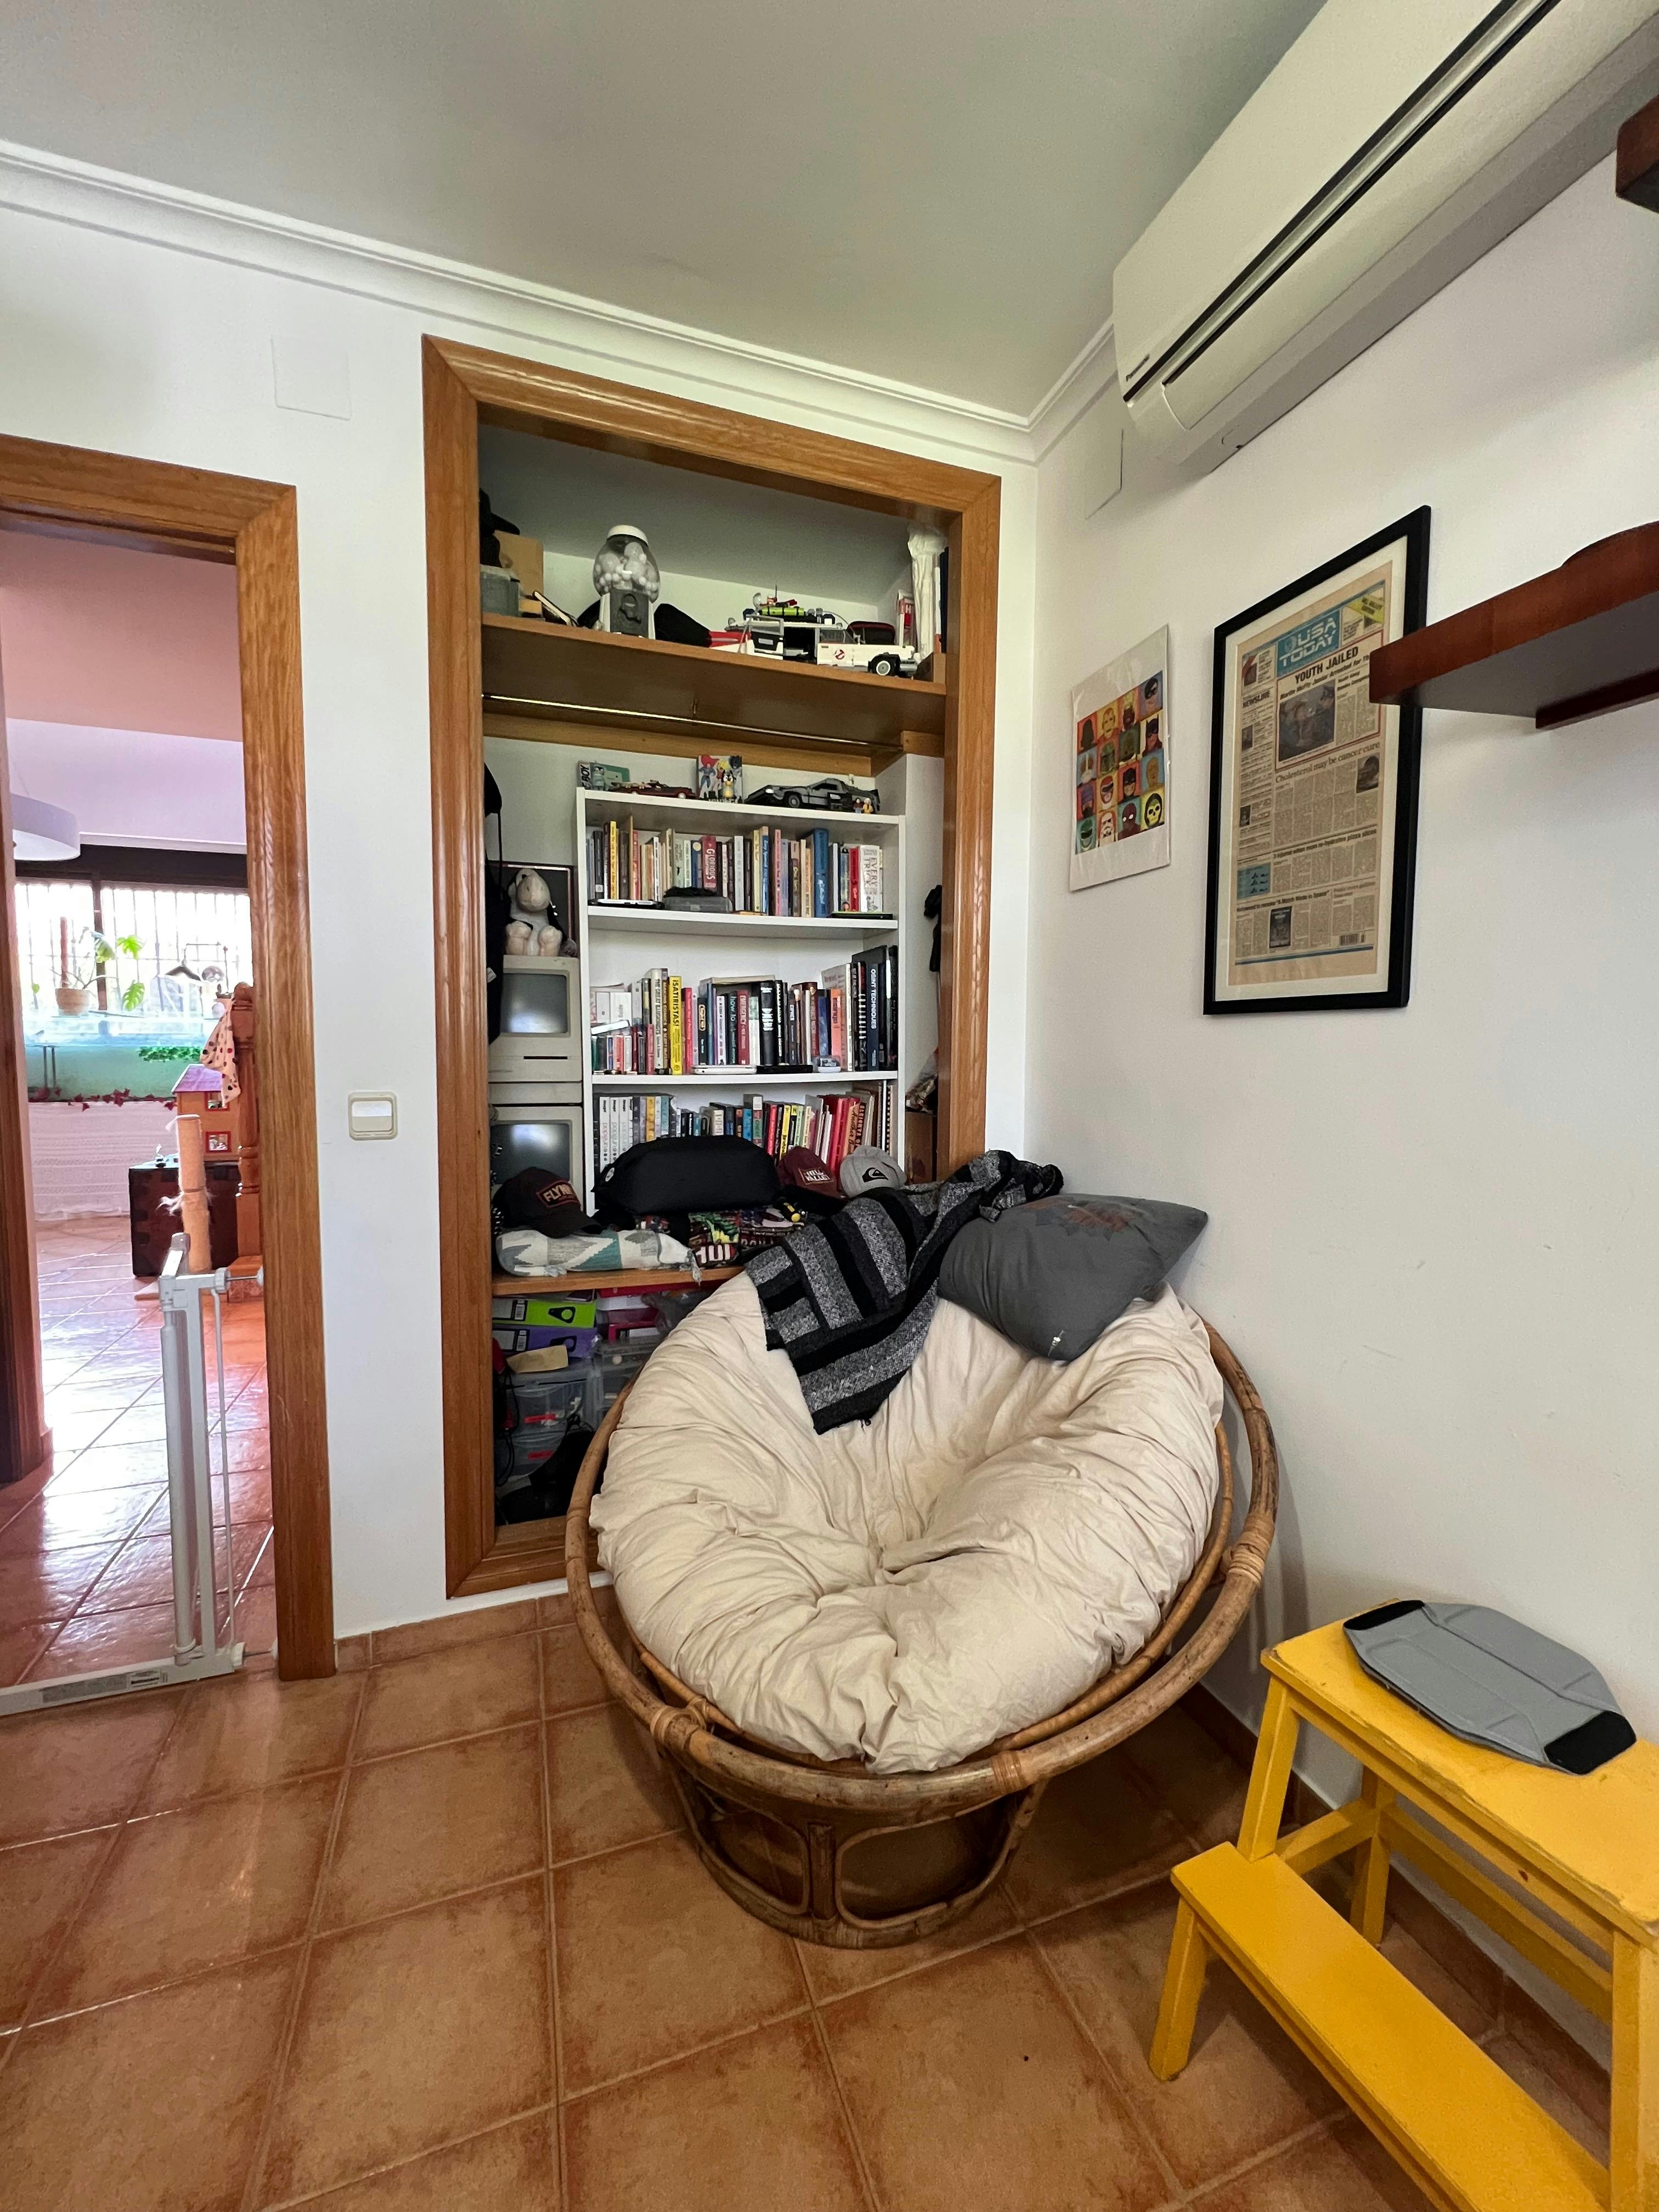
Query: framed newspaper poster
[1120,766]
[1313,790]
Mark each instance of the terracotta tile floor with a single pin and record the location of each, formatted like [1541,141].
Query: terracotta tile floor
[85,1578]
[428,1935]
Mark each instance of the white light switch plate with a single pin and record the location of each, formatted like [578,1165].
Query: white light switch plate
[372,1114]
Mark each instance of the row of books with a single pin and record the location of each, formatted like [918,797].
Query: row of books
[661,1025]
[832,1124]
[760,871]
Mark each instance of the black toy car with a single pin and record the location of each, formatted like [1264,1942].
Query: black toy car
[831,794]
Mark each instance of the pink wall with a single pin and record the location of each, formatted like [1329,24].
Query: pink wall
[106,637]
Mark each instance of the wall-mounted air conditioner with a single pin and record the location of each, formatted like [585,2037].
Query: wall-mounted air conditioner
[1395,142]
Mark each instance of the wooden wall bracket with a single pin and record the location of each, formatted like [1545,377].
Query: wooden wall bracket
[1636,178]
[1581,641]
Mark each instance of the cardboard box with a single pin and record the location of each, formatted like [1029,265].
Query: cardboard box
[523,557]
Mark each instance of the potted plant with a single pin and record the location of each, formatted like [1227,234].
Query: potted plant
[83,960]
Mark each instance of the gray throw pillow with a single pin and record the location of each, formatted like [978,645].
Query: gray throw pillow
[1052,1274]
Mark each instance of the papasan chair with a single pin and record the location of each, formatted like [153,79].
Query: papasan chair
[826,1588]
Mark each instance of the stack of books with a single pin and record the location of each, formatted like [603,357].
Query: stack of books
[847,1022]
[832,1124]
[760,871]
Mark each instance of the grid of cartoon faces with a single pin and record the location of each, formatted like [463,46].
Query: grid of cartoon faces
[1120,767]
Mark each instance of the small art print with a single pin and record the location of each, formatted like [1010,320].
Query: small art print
[1120,766]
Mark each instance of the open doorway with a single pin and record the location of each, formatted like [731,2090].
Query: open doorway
[123,740]
[156,958]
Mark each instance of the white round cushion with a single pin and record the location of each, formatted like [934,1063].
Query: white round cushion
[903,1591]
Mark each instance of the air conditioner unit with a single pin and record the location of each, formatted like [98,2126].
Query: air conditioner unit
[1391,148]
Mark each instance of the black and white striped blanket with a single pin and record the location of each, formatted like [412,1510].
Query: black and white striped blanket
[850,1299]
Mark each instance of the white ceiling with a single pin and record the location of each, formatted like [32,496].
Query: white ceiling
[931,191]
[134,787]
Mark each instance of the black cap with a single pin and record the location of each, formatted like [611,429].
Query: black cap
[532,1199]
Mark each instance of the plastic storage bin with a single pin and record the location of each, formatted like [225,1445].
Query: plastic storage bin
[616,1365]
[548,1406]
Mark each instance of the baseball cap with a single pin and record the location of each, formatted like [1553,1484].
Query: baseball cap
[532,1199]
[868,1169]
[804,1175]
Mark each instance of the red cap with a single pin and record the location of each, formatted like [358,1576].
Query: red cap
[801,1169]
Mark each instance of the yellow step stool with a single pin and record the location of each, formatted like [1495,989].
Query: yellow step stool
[1585,1847]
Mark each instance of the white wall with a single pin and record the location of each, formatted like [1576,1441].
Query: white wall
[1433,1231]
[142,323]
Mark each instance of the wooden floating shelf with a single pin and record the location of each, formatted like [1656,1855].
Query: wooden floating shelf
[1579,642]
[614,1279]
[540,669]
[1637,170]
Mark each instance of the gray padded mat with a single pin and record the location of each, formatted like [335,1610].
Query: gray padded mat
[1494,1681]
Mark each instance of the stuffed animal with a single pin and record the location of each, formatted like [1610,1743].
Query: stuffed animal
[529,892]
[518,934]
[550,942]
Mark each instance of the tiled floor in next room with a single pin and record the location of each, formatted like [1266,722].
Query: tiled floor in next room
[428,1937]
[85,1575]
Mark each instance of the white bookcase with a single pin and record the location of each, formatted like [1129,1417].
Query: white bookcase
[621,943]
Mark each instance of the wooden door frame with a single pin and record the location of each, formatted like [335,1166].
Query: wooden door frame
[464,387]
[254,525]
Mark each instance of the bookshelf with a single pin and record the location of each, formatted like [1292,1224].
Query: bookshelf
[621,942]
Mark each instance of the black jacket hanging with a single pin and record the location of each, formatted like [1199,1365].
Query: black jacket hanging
[498,908]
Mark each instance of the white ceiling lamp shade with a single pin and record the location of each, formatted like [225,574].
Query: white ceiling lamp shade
[40,832]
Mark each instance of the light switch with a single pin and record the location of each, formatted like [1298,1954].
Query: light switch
[372,1114]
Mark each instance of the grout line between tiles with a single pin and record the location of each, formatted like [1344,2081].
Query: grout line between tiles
[593,2089]
[1144,2134]
[860,2158]
[253,2186]
[611,1850]
[1310,2132]
[399,2165]
[550,1932]
[438,1742]
[95,1880]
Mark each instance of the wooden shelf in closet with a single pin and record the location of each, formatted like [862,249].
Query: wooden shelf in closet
[615,1278]
[1581,641]
[538,669]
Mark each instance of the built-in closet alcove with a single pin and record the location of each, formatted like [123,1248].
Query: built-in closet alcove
[735,509]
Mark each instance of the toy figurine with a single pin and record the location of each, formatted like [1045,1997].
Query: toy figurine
[530,892]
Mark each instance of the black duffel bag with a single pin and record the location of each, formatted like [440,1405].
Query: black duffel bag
[673,1176]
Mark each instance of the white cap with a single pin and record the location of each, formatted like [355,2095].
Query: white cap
[869,1169]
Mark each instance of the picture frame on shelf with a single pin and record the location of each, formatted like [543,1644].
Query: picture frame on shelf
[1314,789]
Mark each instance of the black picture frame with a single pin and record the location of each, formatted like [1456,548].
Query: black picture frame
[1413,529]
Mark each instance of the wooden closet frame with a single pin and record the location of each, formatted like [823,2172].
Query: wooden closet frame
[252,525]
[464,387]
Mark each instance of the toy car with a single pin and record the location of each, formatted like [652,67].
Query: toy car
[853,646]
[831,794]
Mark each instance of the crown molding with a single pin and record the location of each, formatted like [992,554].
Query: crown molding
[512,308]
[1074,391]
